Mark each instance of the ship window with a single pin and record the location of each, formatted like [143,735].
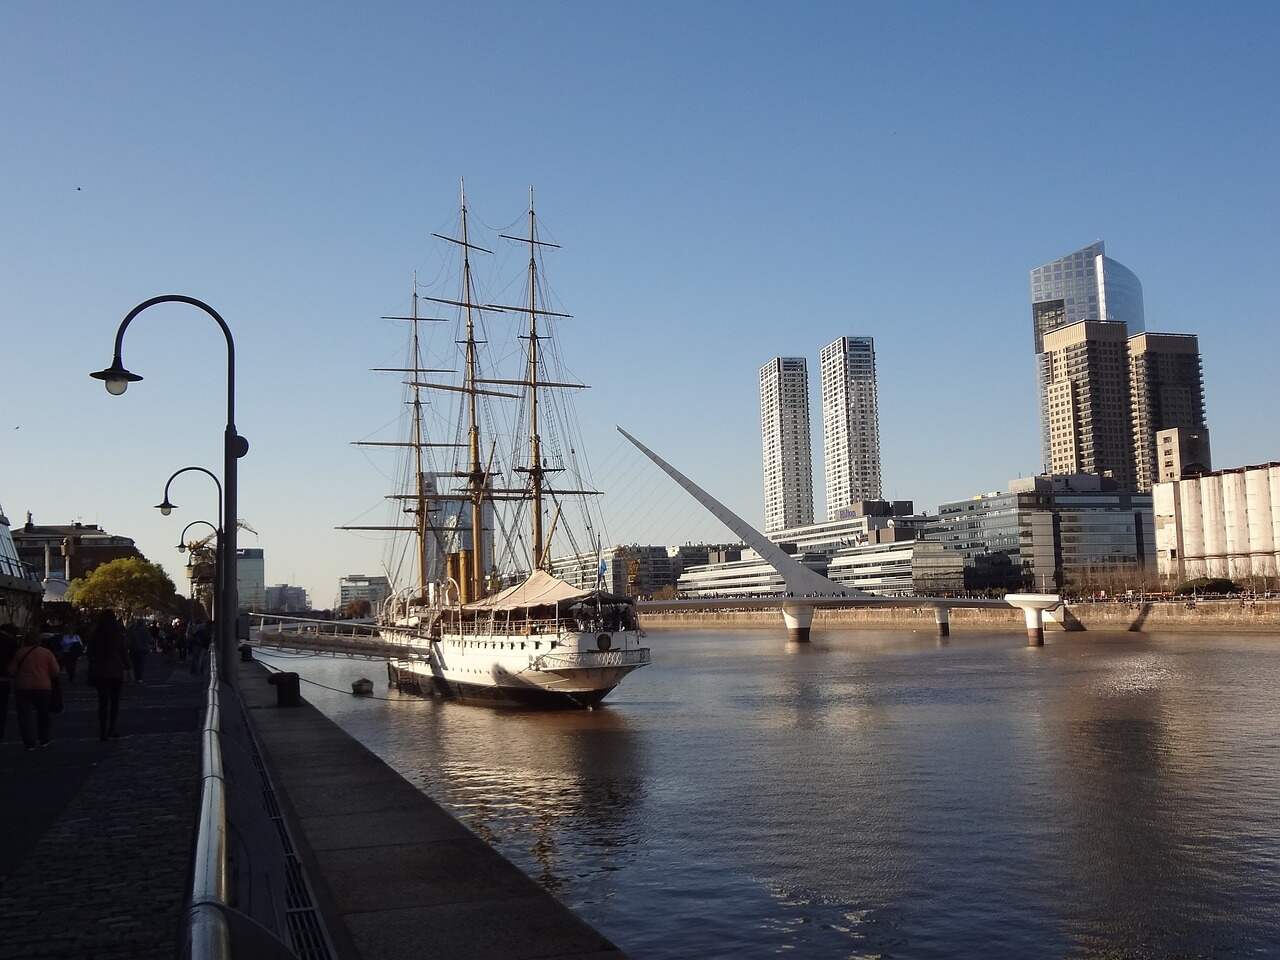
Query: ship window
[522,646]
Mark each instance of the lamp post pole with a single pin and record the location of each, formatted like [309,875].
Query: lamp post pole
[117,379]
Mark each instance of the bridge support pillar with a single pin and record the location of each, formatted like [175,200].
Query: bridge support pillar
[1035,626]
[942,617]
[798,618]
[1033,606]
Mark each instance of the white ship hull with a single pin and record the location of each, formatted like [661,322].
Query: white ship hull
[566,669]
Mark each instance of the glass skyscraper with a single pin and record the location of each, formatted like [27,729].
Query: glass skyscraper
[1084,285]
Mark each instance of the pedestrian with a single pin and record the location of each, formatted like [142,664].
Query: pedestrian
[8,647]
[72,648]
[108,660]
[35,676]
[200,639]
[139,646]
[182,634]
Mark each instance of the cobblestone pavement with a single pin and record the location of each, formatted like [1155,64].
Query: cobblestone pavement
[96,844]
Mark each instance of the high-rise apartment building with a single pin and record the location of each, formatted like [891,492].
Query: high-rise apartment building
[850,422]
[784,436]
[1166,388]
[1084,285]
[1086,368]
[251,582]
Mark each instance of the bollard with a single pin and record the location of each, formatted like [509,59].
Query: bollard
[287,694]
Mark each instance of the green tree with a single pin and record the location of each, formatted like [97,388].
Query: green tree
[129,585]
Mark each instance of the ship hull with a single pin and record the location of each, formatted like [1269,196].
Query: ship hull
[513,671]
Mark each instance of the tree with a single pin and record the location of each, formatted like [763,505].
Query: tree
[355,609]
[129,585]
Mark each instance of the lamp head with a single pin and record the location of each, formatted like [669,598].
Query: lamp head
[166,508]
[182,548]
[116,377]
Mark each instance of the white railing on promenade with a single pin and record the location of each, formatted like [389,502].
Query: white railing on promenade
[208,934]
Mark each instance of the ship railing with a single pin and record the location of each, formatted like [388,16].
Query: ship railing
[484,627]
[568,659]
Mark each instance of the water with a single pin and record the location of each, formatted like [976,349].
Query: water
[881,794]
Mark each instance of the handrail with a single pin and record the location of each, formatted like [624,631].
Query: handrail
[208,934]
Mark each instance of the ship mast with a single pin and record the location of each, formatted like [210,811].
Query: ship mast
[535,442]
[417,447]
[476,475]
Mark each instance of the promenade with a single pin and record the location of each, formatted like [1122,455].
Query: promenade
[97,836]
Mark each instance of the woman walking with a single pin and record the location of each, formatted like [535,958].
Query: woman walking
[108,660]
[34,670]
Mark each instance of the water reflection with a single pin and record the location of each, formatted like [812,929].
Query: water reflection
[879,794]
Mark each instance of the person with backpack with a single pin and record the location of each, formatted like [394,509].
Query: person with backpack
[108,660]
[35,671]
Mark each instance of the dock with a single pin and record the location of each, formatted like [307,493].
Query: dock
[393,875]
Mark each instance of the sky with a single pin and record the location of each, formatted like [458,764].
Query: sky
[728,181]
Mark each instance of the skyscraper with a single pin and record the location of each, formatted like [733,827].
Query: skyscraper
[1084,285]
[850,422]
[784,436]
[1166,387]
[1086,367]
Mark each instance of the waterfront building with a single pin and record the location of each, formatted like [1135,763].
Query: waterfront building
[1049,532]
[631,570]
[1166,389]
[251,579]
[285,598]
[69,550]
[1084,285]
[784,438]
[859,523]
[850,423]
[1181,451]
[750,576]
[1086,366]
[1220,524]
[357,586]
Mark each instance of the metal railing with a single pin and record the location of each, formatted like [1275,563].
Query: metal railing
[208,933]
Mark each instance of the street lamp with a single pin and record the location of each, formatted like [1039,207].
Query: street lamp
[182,538]
[117,379]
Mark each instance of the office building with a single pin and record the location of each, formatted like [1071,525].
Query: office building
[850,423]
[1221,524]
[1086,370]
[1181,451]
[1166,390]
[784,436]
[285,598]
[899,568]
[1049,533]
[866,521]
[1084,285]
[357,586]
[251,581]
[632,570]
[748,576]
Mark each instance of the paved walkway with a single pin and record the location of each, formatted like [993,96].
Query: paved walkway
[394,875]
[95,838]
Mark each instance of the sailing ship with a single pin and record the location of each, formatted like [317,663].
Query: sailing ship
[482,618]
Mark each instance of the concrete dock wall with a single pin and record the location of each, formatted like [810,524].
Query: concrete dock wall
[1231,615]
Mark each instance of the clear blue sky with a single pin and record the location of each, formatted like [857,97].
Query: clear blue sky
[730,182]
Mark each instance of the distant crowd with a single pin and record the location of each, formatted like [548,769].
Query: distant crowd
[35,663]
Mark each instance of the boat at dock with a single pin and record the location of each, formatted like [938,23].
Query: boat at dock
[479,616]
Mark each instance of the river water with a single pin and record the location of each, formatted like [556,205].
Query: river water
[880,794]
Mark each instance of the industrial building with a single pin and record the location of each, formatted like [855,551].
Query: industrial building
[1220,524]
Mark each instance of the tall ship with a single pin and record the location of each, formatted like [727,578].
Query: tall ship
[492,474]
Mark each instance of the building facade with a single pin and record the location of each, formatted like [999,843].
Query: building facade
[1222,524]
[1166,390]
[784,439]
[69,550]
[286,598]
[357,586]
[750,576]
[251,578]
[1084,285]
[1086,366]
[632,570]
[1181,451]
[1050,533]
[850,422]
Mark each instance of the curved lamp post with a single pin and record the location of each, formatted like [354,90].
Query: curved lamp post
[182,546]
[166,508]
[117,379]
